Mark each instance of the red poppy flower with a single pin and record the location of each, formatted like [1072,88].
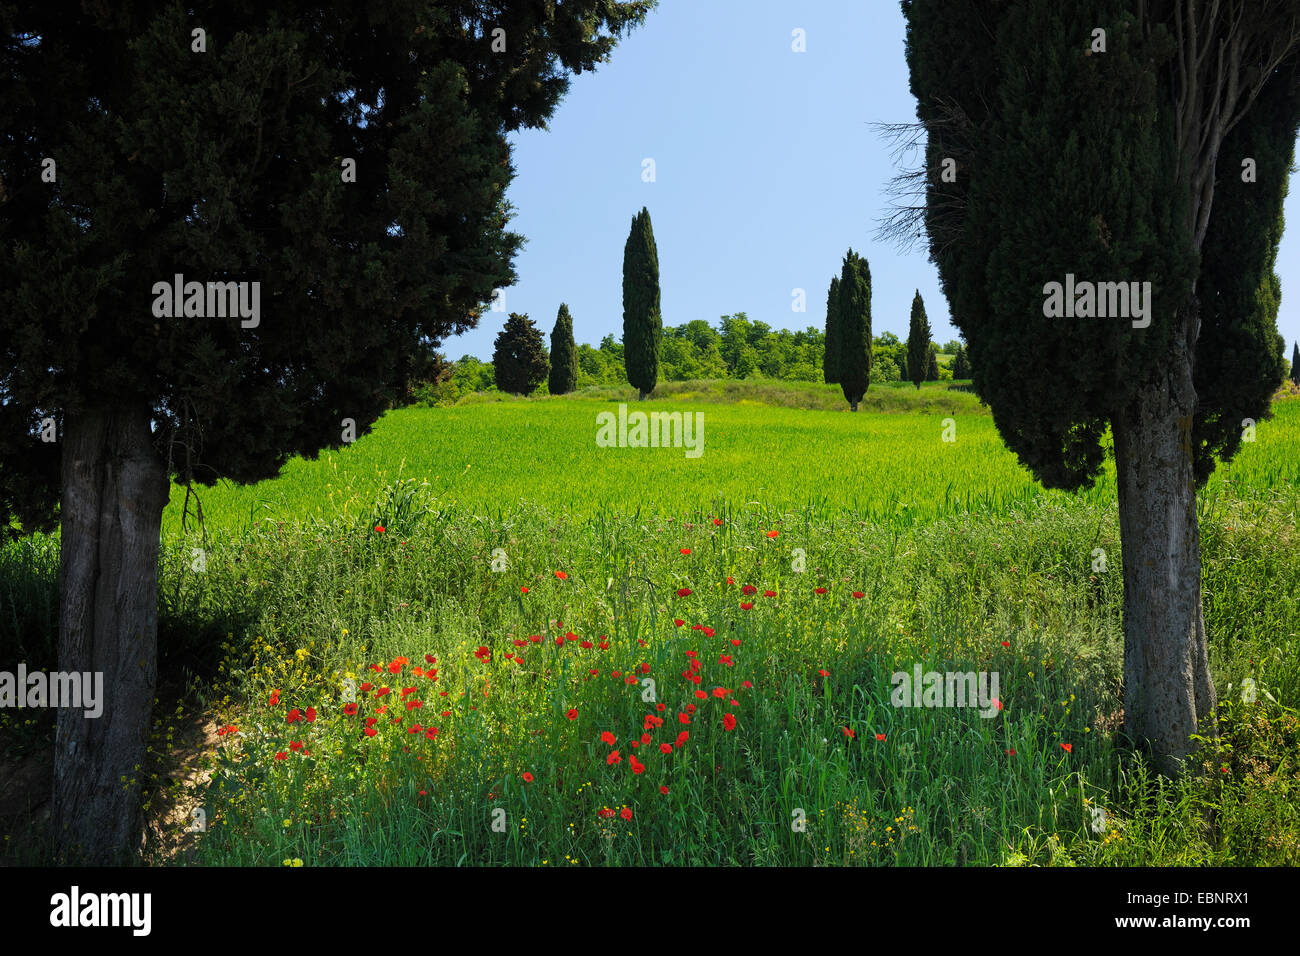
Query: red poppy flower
[660,706]
[559,641]
[700,694]
[686,550]
[1006,643]
[683,592]
[275,698]
[382,710]
[613,758]
[350,709]
[383,692]
[282,756]
[394,668]
[379,528]
[849,733]
[535,638]
[414,729]
[608,738]
[666,748]
[747,605]
[729,721]
[367,685]
[637,766]
[684,736]
[663,790]
[720,692]
[572,714]
[483,653]
[311,715]
[634,743]
[1067,747]
[769,594]
[528,777]
[228,729]
[585,645]
[296,746]
[431,732]
[819,590]
[604,645]
[370,731]
[561,575]
[880,736]
[730,581]
[773,534]
[615,673]
[523,590]
[717,522]
[747,685]
[709,632]
[430,659]
[412,704]
[726,659]
[645,738]
[294,714]
[824,672]
[749,589]
[690,708]
[998,702]
[858,594]
[1012,751]
[627,813]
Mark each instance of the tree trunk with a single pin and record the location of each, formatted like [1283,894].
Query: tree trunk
[853,406]
[1167,685]
[640,395]
[114,488]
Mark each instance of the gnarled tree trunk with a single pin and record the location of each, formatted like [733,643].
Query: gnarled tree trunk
[1167,685]
[114,490]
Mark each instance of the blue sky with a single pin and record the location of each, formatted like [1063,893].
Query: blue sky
[767,170]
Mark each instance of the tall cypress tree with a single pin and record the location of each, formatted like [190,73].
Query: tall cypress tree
[854,317]
[960,364]
[831,358]
[1295,363]
[564,354]
[918,341]
[999,88]
[339,170]
[642,324]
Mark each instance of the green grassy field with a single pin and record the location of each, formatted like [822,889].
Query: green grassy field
[801,561]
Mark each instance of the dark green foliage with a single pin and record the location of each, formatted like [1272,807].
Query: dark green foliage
[642,323]
[1239,357]
[932,363]
[831,357]
[519,360]
[854,317]
[1295,363]
[918,342]
[960,364]
[225,165]
[564,355]
[1009,93]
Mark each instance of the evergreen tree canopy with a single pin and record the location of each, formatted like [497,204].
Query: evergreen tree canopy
[519,361]
[642,323]
[564,354]
[854,318]
[918,342]
[960,364]
[831,357]
[1295,363]
[932,363]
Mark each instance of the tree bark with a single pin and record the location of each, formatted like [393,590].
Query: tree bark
[1167,684]
[114,489]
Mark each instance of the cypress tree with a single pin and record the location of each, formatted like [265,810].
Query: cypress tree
[854,317]
[564,355]
[932,363]
[1295,363]
[519,361]
[918,341]
[960,364]
[642,324]
[831,358]
[1001,109]
[231,166]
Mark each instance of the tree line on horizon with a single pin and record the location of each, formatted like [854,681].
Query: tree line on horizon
[737,349]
